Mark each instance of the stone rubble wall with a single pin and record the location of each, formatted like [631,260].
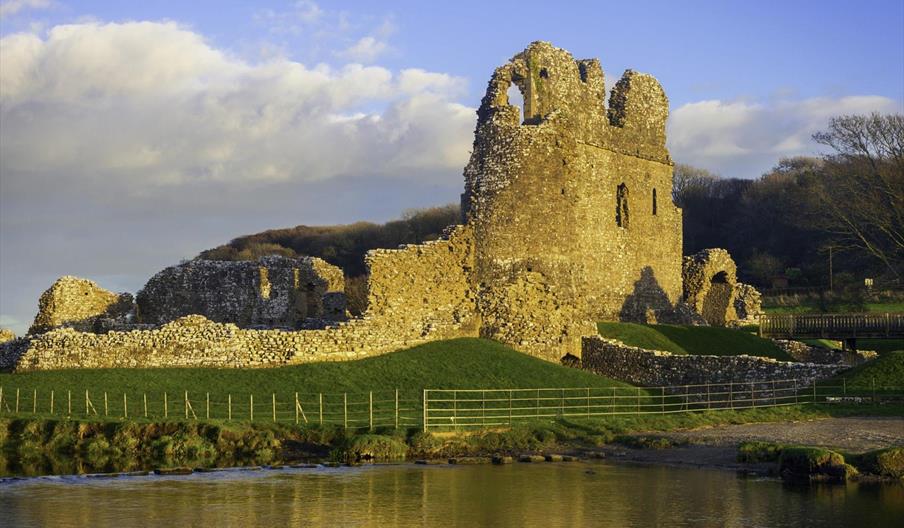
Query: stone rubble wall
[273,291]
[748,303]
[6,335]
[654,368]
[418,293]
[79,304]
[814,354]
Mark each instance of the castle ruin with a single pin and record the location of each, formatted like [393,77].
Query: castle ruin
[567,220]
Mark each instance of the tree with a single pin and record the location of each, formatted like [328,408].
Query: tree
[862,186]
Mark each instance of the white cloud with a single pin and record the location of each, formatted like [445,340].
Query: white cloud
[143,104]
[11,7]
[744,138]
[366,50]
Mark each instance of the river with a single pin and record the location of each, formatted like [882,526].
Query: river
[544,495]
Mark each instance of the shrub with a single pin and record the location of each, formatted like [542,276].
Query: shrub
[884,462]
[371,447]
[811,463]
[752,452]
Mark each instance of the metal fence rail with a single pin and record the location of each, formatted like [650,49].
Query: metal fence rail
[430,409]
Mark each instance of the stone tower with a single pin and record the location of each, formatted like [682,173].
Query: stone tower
[570,203]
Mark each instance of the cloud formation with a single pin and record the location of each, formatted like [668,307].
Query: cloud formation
[743,139]
[12,7]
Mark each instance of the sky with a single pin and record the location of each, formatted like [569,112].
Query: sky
[137,134]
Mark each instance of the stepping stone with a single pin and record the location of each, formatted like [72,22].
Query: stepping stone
[531,458]
[502,459]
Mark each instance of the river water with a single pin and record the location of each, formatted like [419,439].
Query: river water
[521,495]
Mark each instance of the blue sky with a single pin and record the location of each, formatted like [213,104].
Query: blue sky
[135,134]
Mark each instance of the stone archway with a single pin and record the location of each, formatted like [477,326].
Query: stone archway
[710,277]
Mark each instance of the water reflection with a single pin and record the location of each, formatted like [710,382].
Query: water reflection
[528,495]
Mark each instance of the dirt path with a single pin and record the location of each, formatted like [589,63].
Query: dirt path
[856,434]
[716,447]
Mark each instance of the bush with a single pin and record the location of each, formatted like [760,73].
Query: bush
[371,447]
[812,463]
[884,462]
[753,452]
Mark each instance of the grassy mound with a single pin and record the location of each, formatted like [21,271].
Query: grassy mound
[695,340]
[885,371]
[878,345]
[456,363]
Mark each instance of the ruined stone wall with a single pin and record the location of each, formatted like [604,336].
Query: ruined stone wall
[6,335]
[417,294]
[654,368]
[273,291]
[813,354]
[710,278]
[78,303]
[561,200]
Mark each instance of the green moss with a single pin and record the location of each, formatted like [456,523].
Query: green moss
[883,462]
[754,452]
[811,462]
[371,447]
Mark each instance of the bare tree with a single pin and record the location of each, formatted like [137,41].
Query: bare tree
[862,188]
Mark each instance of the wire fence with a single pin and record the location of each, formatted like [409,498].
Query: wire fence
[429,409]
[352,410]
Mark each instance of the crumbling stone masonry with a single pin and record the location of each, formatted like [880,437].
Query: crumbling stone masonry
[6,335]
[570,203]
[712,289]
[80,304]
[271,292]
[614,359]
[417,293]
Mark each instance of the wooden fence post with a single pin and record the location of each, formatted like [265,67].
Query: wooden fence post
[663,398]
[125,406]
[752,396]
[510,407]
[207,406]
[230,408]
[424,401]
[795,391]
[588,402]
[731,394]
[320,399]
[185,404]
[144,398]
[296,408]
[106,408]
[17,401]
[370,409]
[1,399]
[51,401]
[86,402]
[345,410]
[34,402]
[69,394]
[165,406]
[274,406]
[397,408]
[251,407]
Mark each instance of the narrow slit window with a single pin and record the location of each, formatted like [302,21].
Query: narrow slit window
[621,206]
[654,201]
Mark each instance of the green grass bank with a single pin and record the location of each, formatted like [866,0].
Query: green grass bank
[41,446]
[694,340]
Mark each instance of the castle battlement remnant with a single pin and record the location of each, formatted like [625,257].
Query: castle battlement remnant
[570,202]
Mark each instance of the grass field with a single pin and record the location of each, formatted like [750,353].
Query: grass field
[457,363]
[886,371]
[694,340]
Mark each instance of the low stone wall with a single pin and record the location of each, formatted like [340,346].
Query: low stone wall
[813,354]
[417,294]
[653,368]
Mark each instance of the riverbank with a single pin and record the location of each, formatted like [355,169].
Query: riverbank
[40,447]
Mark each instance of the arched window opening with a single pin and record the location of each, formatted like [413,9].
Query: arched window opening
[621,206]
[516,99]
[654,201]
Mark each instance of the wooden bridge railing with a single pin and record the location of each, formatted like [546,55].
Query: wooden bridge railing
[833,326]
